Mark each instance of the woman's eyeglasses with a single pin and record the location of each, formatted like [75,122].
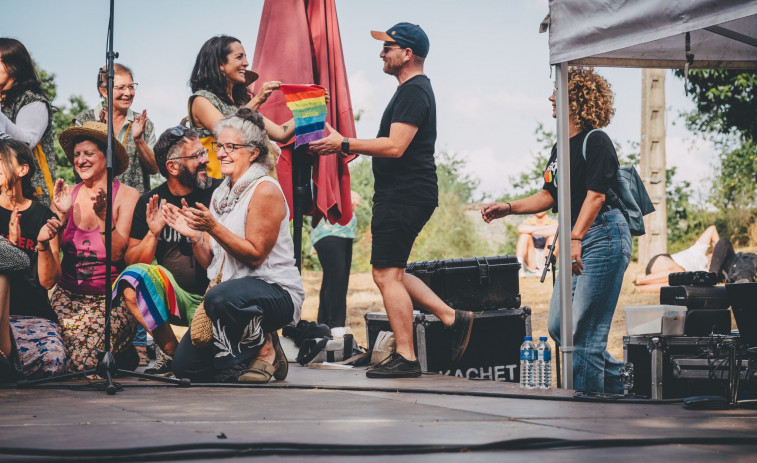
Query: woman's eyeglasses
[124,88]
[228,147]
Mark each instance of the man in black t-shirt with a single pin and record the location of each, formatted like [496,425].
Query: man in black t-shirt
[406,195]
[149,290]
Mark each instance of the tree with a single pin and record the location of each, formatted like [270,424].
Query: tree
[726,102]
[63,117]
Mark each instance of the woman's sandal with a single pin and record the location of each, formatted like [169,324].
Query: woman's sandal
[144,360]
[280,363]
[258,371]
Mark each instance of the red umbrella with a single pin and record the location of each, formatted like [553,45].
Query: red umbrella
[299,43]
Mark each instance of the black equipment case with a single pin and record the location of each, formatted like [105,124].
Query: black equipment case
[668,367]
[695,297]
[472,283]
[493,351]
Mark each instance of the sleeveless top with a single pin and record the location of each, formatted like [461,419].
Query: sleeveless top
[279,267]
[44,152]
[134,176]
[206,135]
[83,265]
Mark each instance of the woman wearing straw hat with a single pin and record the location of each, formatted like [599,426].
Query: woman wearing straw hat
[219,81]
[26,113]
[79,299]
[134,130]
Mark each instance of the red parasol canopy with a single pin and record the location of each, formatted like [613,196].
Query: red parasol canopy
[299,43]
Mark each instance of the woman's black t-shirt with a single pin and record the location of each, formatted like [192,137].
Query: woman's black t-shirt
[596,173]
[28,297]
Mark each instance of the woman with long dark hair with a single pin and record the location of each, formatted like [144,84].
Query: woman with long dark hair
[219,84]
[26,112]
[29,334]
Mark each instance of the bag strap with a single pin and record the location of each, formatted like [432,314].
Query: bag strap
[310,349]
[586,138]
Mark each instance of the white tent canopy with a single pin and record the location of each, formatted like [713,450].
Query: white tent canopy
[636,33]
[652,33]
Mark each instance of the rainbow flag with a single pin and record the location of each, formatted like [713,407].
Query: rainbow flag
[308,105]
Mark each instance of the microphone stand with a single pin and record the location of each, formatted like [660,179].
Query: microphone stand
[106,364]
[550,262]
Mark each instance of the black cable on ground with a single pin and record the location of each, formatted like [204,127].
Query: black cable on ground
[501,395]
[232,450]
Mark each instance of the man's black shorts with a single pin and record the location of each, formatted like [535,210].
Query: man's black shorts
[394,228]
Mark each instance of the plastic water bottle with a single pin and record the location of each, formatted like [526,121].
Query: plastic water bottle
[527,364]
[544,364]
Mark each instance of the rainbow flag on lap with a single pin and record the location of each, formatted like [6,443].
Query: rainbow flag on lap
[308,105]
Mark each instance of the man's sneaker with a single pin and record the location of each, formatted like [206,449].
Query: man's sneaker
[163,366]
[460,333]
[395,366]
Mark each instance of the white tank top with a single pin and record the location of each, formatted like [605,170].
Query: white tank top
[279,267]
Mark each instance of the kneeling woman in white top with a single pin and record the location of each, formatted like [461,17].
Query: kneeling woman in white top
[245,235]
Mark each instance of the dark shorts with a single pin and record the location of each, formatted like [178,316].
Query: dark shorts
[394,228]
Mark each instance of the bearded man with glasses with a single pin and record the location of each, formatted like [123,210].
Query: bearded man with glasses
[406,194]
[169,292]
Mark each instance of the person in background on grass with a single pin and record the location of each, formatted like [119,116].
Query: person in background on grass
[29,335]
[536,232]
[333,244]
[169,292]
[406,194]
[79,299]
[600,241]
[26,114]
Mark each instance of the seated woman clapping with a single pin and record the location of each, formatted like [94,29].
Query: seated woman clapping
[30,339]
[79,299]
[246,231]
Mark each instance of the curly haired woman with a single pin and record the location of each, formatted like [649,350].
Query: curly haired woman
[600,241]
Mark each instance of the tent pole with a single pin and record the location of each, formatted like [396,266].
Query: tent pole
[301,198]
[564,279]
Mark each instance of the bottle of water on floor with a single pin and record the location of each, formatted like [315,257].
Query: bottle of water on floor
[527,364]
[544,364]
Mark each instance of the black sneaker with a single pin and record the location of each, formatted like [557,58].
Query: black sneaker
[395,366]
[460,333]
[163,366]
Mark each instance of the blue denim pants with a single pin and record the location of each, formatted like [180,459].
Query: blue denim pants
[605,253]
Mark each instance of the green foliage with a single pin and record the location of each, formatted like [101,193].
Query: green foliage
[63,117]
[726,102]
[736,178]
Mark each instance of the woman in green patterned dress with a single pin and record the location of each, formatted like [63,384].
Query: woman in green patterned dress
[134,130]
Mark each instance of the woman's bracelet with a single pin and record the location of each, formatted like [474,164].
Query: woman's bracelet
[510,210]
[112,229]
[39,248]
[576,239]
[198,240]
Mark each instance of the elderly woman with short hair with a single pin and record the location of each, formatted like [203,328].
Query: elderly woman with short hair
[600,241]
[246,229]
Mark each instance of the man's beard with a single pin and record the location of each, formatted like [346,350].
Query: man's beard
[194,181]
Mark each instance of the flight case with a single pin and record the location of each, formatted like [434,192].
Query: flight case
[493,351]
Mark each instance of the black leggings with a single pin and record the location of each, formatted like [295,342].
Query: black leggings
[335,255]
[242,311]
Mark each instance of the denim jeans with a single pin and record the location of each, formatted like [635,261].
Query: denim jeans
[605,253]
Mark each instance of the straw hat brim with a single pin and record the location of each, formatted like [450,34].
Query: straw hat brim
[250,77]
[97,131]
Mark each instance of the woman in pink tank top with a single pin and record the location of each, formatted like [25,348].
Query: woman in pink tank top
[79,299]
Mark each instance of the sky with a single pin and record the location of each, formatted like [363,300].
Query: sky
[488,65]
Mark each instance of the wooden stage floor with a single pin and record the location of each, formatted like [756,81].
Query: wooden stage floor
[327,415]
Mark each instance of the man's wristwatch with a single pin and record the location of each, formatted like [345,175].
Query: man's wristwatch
[346,145]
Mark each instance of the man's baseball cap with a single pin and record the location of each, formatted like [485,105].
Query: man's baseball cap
[406,35]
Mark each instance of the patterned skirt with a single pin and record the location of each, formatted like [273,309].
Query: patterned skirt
[39,346]
[82,321]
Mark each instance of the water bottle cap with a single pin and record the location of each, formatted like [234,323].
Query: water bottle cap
[527,338]
[542,338]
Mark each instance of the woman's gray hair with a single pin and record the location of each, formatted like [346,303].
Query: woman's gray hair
[250,128]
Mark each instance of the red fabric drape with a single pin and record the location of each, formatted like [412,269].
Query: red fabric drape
[299,43]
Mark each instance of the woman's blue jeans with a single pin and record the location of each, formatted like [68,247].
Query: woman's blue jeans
[605,253]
